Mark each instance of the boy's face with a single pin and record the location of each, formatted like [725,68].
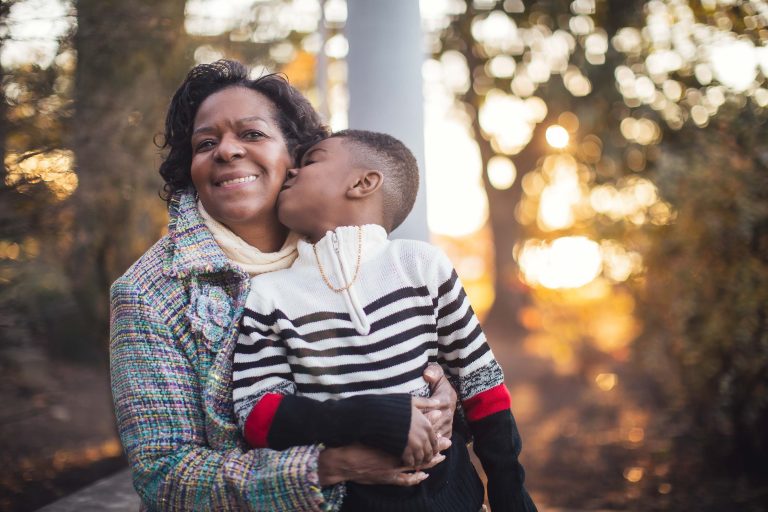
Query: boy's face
[313,196]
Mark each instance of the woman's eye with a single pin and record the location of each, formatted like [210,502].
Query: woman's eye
[204,145]
[252,134]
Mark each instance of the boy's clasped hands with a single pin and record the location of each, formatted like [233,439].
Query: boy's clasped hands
[425,442]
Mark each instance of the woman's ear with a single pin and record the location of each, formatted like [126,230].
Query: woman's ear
[366,183]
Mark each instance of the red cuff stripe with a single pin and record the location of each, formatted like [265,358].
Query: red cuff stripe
[260,419]
[488,402]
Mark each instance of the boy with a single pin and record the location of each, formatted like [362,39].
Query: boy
[332,349]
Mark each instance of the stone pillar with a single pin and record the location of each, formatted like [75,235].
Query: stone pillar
[385,86]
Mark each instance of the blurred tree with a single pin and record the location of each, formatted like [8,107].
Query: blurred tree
[126,72]
[112,81]
[512,50]
[5,9]
[706,299]
[699,68]
[35,110]
[620,77]
[125,76]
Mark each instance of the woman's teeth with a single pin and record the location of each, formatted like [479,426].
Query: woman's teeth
[245,179]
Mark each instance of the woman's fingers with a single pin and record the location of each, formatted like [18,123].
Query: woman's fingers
[438,413]
[433,416]
[443,424]
[440,419]
[434,461]
[443,443]
[433,373]
[443,392]
[409,479]
[425,404]
[432,442]
[409,459]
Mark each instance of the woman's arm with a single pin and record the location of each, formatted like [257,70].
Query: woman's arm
[365,465]
[158,398]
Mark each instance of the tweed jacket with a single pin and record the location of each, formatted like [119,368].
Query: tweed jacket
[174,326]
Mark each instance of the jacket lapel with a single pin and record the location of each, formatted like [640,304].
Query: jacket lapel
[196,255]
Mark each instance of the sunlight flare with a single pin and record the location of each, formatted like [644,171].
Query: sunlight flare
[566,262]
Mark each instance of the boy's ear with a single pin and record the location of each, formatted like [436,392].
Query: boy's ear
[367,182]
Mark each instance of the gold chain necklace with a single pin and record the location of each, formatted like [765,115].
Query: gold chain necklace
[336,247]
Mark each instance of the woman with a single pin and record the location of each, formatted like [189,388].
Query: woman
[175,312]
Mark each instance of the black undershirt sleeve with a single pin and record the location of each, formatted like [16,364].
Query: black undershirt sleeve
[378,421]
[497,444]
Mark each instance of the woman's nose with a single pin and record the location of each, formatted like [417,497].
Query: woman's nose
[228,149]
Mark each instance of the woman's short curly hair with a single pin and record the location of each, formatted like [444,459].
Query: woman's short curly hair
[298,120]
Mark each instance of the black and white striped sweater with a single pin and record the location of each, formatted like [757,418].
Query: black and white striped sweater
[406,308]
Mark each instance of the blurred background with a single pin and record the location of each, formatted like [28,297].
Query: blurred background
[596,169]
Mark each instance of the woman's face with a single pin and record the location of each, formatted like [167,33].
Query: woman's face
[239,159]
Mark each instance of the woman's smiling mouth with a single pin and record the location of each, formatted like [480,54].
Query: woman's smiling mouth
[236,181]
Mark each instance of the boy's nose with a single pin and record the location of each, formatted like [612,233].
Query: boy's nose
[292,173]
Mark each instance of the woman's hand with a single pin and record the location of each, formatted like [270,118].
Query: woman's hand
[365,465]
[443,400]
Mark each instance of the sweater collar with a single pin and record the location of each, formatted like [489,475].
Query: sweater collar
[373,239]
[194,249]
[338,257]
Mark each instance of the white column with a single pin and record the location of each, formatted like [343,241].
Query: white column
[385,87]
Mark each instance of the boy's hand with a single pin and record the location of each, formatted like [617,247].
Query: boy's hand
[422,441]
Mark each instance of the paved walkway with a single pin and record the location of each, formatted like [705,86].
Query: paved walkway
[116,494]
[112,494]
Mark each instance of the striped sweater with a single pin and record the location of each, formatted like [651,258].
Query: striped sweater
[406,308]
[174,319]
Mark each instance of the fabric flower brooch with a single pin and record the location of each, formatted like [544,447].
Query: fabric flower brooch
[210,313]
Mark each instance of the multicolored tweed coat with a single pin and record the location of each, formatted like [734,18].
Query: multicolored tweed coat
[174,322]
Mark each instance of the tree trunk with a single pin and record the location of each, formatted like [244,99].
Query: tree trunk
[130,56]
[506,230]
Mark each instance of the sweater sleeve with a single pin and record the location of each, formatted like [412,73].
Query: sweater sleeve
[497,444]
[464,351]
[159,408]
[378,421]
[272,416]
[261,373]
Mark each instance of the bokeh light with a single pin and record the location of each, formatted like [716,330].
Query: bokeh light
[566,262]
[510,120]
[34,29]
[557,136]
[501,172]
[53,168]
[634,474]
[606,381]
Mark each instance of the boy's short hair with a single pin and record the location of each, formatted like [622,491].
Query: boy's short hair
[374,150]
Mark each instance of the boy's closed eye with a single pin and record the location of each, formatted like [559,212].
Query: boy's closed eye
[311,156]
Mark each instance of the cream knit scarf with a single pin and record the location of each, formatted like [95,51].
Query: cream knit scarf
[246,256]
